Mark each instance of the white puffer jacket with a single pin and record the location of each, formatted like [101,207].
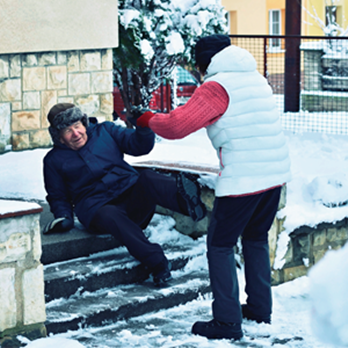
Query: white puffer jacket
[248,137]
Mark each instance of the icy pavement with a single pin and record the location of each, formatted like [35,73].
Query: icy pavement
[171,328]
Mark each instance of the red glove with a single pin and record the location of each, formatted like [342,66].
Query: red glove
[144,119]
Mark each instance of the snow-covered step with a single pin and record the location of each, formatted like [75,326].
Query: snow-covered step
[107,269]
[122,302]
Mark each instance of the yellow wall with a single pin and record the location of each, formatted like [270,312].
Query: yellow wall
[246,16]
[317,9]
[251,16]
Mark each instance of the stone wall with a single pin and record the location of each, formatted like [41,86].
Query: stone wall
[306,247]
[22,302]
[30,84]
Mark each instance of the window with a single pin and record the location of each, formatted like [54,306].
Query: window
[274,28]
[330,15]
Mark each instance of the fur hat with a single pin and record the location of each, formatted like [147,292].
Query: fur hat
[64,115]
[207,47]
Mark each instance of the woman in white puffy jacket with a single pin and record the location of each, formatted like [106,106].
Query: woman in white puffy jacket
[236,105]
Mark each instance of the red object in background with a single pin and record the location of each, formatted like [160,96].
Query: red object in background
[161,97]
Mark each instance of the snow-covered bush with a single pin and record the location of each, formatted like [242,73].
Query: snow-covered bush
[154,35]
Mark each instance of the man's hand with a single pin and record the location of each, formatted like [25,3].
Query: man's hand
[136,112]
[62,224]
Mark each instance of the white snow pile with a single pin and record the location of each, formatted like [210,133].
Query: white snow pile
[56,342]
[329,294]
[331,191]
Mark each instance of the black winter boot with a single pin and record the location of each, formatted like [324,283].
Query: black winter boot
[189,189]
[161,273]
[218,329]
[248,314]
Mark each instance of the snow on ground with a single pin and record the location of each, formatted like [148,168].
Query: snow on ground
[318,192]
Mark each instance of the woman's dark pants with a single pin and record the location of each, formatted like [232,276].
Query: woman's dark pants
[250,217]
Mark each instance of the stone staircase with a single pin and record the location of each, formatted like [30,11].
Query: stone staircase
[91,280]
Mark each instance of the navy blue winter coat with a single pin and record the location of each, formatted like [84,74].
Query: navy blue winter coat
[86,179]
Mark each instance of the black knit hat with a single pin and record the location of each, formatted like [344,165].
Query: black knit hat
[207,47]
[64,115]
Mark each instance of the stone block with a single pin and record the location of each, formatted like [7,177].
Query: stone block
[8,305]
[282,200]
[90,61]
[107,103]
[48,99]
[40,138]
[5,119]
[208,198]
[10,90]
[73,61]
[187,226]
[102,82]
[36,246]
[47,58]
[79,84]
[15,66]
[62,58]
[29,60]
[62,93]
[15,238]
[34,79]
[89,104]
[31,100]
[65,99]
[294,272]
[4,67]
[16,106]
[318,255]
[272,240]
[319,238]
[107,59]
[20,141]
[277,277]
[337,234]
[289,255]
[57,77]
[18,245]
[25,120]
[34,310]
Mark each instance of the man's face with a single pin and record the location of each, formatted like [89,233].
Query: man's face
[74,136]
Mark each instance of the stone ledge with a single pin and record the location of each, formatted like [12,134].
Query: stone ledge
[12,208]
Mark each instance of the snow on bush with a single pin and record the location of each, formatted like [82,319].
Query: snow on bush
[154,36]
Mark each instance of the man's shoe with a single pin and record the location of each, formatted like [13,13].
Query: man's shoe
[248,314]
[218,329]
[161,273]
[189,189]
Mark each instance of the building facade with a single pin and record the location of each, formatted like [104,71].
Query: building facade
[53,51]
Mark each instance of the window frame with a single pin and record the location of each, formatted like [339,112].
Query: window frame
[274,44]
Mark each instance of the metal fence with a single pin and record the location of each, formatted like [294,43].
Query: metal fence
[309,77]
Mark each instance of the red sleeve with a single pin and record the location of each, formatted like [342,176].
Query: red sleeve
[207,104]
